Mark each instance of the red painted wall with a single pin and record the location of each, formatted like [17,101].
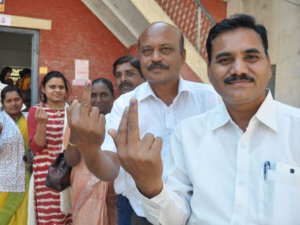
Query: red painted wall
[216,8]
[76,34]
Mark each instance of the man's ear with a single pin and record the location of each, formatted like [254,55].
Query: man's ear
[183,56]
[270,67]
[208,71]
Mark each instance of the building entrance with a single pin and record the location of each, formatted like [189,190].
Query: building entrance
[19,51]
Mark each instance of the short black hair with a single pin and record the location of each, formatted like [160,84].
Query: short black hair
[107,83]
[181,44]
[135,62]
[9,89]
[4,71]
[48,77]
[232,23]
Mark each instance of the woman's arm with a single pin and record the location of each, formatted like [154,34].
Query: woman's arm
[37,121]
[72,154]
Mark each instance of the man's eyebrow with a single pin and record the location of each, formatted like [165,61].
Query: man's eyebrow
[252,50]
[131,70]
[221,54]
[146,46]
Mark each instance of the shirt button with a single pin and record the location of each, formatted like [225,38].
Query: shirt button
[242,182]
[243,145]
[154,207]
[161,202]
[237,223]
[169,132]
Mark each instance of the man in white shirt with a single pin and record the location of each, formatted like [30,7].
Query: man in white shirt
[237,164]
[164,100]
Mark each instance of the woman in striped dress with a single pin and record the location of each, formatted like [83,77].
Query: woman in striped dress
[46,123]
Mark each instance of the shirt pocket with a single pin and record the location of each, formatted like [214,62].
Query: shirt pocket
[279,198]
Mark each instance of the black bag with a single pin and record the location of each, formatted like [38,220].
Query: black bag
[58,177]
[29,160]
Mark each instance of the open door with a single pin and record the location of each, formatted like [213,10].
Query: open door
[20,49]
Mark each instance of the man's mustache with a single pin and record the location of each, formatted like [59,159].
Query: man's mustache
[157,65]
[127,84]
[235,77]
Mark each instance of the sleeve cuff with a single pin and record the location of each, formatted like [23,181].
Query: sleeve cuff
[152,207]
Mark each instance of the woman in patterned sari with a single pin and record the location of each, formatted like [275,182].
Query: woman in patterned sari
[14,176]
[93,200]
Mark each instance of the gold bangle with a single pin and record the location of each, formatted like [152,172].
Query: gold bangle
[72,144]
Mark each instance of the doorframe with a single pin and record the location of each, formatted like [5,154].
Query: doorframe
[35,47]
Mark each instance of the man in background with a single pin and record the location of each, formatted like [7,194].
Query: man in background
[128,74]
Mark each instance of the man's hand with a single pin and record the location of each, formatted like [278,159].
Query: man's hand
[141,158]
[41,116]
[86,124]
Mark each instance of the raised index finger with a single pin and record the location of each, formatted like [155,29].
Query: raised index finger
[121,138]
[133,136]
[86,100]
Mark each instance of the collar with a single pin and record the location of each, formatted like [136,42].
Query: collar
[147,91]
[220,117]
[265,114]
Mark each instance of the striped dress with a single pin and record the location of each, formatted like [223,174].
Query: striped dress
[47,201]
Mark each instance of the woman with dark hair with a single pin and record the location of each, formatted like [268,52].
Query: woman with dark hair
[93,200]
[4,76]
[14,176]
[24,82]
[46,126]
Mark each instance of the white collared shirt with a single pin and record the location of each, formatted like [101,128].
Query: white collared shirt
[214,173]
[157,118]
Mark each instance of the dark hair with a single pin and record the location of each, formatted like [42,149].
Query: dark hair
[48,77]
[106,82]
[24,72]
[4,71]
[181,44]
[135,62]
[232,23]
[9,89]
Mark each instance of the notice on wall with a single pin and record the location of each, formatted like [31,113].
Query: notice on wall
[81,69]
[5,20]
[43,70]
[79,82]
[2,5]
